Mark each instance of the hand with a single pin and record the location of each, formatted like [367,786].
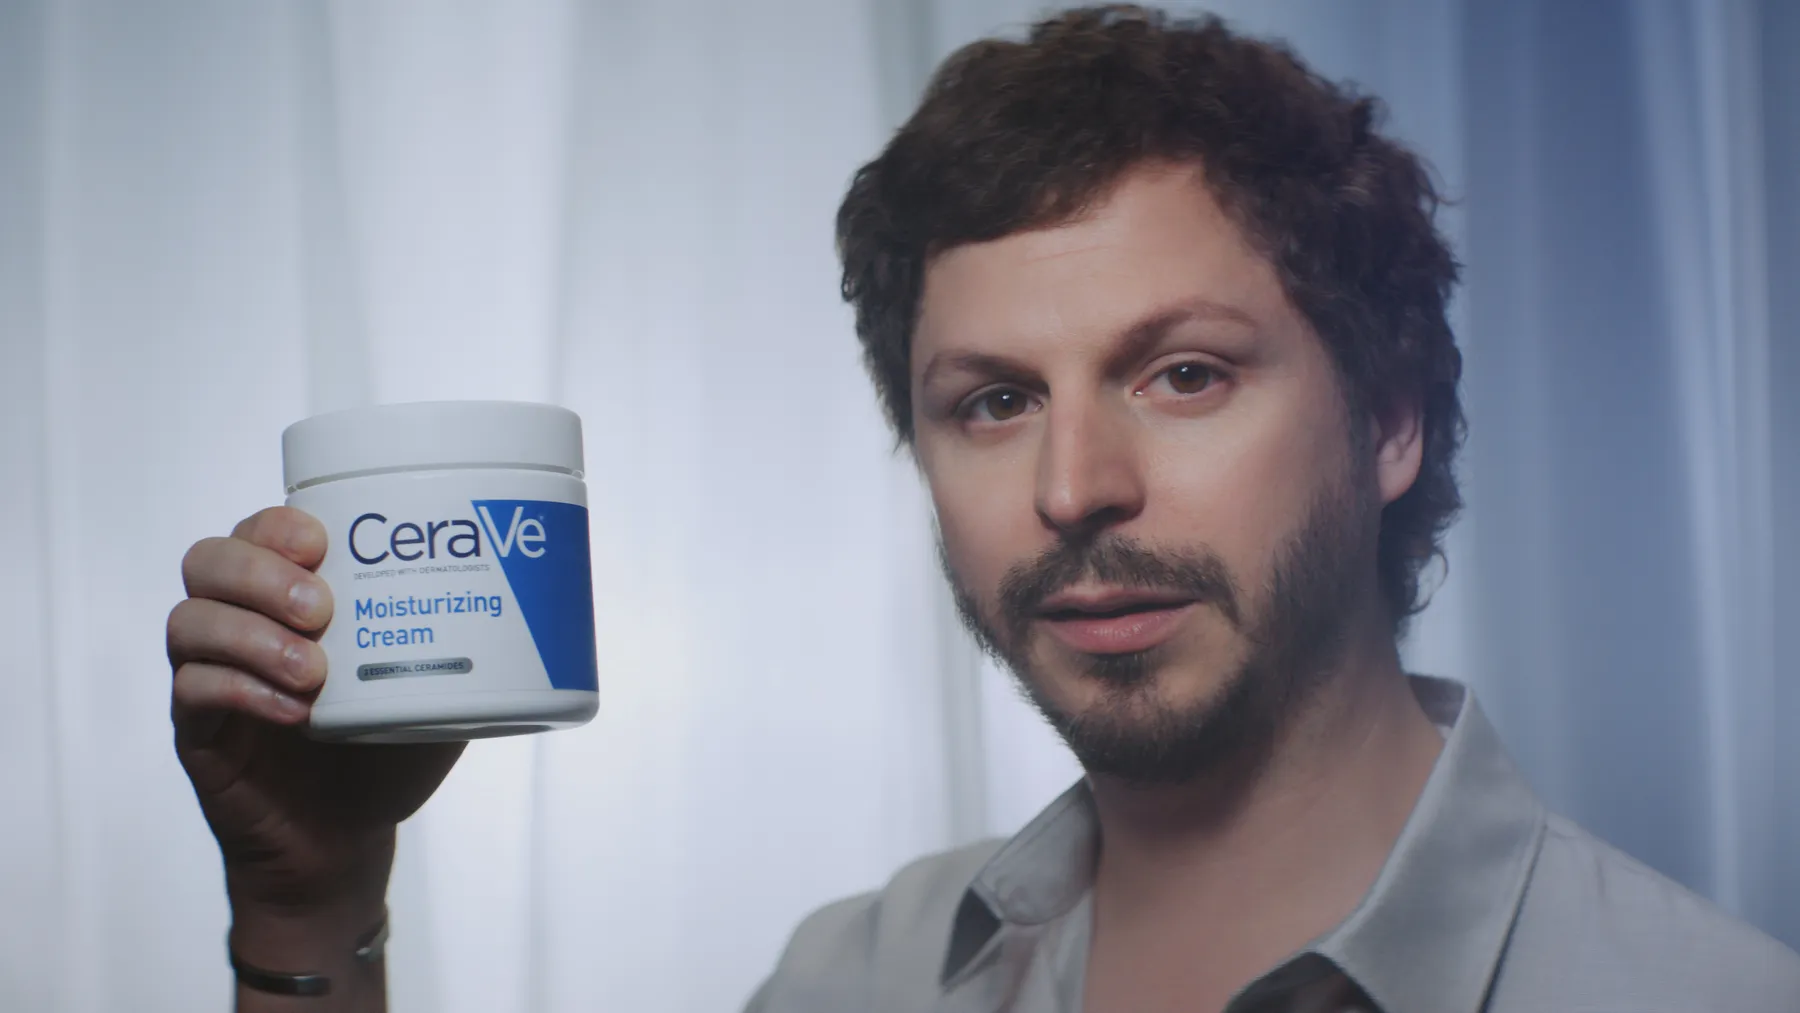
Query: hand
[303,825]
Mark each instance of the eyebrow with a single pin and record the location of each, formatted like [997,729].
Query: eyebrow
[1133,342]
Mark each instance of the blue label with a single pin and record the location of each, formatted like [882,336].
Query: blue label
[543,549]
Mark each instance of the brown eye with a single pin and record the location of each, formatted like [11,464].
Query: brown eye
[1190,378]
[1001,405]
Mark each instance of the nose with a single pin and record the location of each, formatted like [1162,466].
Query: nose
[1088,472]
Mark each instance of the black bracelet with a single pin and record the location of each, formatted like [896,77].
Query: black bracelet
[370,947]
[276,983]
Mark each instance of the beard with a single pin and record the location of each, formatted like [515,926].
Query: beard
[1291,638]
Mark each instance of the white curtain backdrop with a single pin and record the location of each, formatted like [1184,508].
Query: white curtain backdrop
[217,218]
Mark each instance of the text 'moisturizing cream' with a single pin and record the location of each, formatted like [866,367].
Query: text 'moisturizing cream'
[463,604]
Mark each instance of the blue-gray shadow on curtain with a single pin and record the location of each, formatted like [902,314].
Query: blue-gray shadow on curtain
[1779,32]
[1583,566]
[1581,552]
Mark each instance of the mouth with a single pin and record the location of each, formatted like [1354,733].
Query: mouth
[1114,622]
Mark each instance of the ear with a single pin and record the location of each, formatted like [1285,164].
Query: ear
[1399,448]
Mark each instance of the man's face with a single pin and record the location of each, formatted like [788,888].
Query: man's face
[1151,503]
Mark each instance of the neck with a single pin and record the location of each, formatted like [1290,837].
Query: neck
[1246,864]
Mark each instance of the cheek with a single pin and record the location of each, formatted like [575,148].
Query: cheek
[1243,489]
[985,514]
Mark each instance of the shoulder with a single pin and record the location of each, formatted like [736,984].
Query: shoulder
[1599,930]
[847,954]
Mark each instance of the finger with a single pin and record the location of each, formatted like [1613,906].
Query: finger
[295,534]
[202,689]
[257,578]
[202,629]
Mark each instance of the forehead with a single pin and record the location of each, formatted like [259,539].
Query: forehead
[1158,238]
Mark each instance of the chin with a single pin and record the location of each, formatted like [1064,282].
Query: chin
[1147,718]
[1159,681]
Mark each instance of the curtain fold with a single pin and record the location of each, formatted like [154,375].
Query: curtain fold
[1623,444]
[1778,35]
[29,888]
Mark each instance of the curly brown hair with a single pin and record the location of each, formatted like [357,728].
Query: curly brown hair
[1012,136]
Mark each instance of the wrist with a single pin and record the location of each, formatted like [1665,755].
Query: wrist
[348,881]
[318,940]
[294,929]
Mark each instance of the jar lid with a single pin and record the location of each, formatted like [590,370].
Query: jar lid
[430,434]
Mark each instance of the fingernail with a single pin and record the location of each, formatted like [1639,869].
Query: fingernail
[286,706]
[299,662]
[298,541]
[305,597]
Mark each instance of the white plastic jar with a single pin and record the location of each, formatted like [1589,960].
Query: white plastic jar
[463,602]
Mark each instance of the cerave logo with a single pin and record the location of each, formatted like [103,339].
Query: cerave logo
[373,539]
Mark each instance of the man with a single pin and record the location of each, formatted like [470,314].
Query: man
[1161,317]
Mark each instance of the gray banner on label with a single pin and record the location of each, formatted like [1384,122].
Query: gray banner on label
[407,669]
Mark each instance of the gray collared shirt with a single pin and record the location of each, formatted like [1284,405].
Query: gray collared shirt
[1487,904]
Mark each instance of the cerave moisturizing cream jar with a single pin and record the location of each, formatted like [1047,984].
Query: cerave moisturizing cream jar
[459,569]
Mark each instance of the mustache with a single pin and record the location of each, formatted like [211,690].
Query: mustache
[1123,562]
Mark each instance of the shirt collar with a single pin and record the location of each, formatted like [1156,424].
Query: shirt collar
[1428,935]
[1425,939]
